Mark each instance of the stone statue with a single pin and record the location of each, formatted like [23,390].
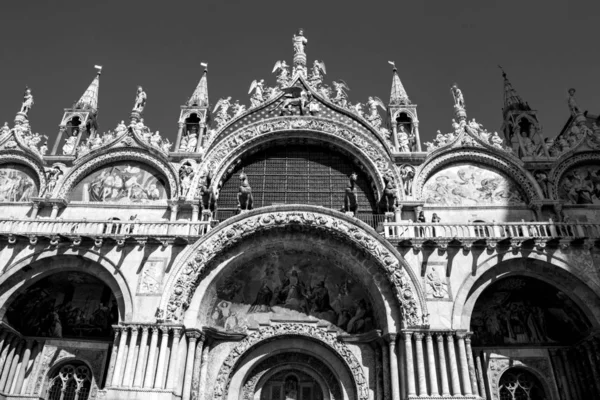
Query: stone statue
[27,101]
[542,178]
[44,149]
[244,196]
[351,197]
[4,129]
[407,173]
[459,100]
[374,118]
[299,42]
[155,139]
[317,72]
[575,110]
[403,142]
[166,145]
[528,145]
[238,109]
[496,141]
[186,174]
[223,115]
[121,128]
[140,100]
[358,109]
[257,97]
[69,146]
[53,177]
[388,200]
[341,97]
[208,197]
[284,73]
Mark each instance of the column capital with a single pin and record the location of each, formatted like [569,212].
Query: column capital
[164,330]
[461,335]
[144,328]
[391,337]
[449,336]
[439,336]
[194,335]
[407,335]
[418,335]
[428,336]
[177,331]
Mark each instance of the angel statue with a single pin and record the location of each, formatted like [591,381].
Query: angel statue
[341,97]
[299,42]
[140,100]
[238,109]
[223,115]
[575,110]
[27,101]
[317,72]
[459,100]
[284,73]
[374,118]
[257,97]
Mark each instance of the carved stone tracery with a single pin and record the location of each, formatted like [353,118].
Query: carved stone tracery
[538,365]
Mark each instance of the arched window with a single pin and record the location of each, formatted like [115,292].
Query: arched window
[71,382]
[519,384]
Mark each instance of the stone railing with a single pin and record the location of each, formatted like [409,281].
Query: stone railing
[491,233]
[75,230]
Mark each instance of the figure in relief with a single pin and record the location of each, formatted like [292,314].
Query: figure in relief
[223,115]
[186,174]
[581,185]
[437,287]
[256,88]
[15,184]
[351,197]
[318,71]
[284,73]
[140,100]
[27,101]
[54,176]
[459,100]
[341,97]
[244,196]
[407,173]
[374,118]
[295,97]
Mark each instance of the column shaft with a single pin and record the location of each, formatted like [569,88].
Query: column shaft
[443,369]
[204,371]
[5,356]
[172,371]
[194,392]
[159,381]
[378,373]
[13,367]
[455,382]
[118,373]
[471,363]
[410,366]
[563,385]
[402,367]
[189,364]
[482,391]
[130,364]
[394,368]
[151,367]
[570,374]
[23,369]
[181,364]
[113,356]
[141,359]
[464,366]
[4,339]
[385,352]
[435,391]
[420,364]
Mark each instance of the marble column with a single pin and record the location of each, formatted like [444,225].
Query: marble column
[443,369]
[130,363]
[394,367]
[151,363]
[118,373]
[181,364]
[159,381]
[3,339]
[194,392]
[455,382]
[204,370]
[464,366]
[193,337]
[420,363]
[433,383]
[113,356]
[5,356]
[13,366]
[559,373]
[34,360]
[173,370]
[378,373]
[402,367]
[141,359]
[385,352]
[410,366]
[570,374]
[471,364]
[23,369]
[480,380]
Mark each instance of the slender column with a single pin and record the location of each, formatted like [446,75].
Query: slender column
[435,391]
[563,385]
[378,373]
[482,392]
[10,340]
[402,367]
[13,367]
[159,381]
[443,370]
[193,336]
[455,382]
[23,369]
[570,374]
[118,374]
[151,368]
[394,367]
[464,367]
[181,363]
[386,370]
[410,366]
[420,363]
[113,356]
[141,361]
[36,354]
[590,356]
[3,339]
[204,370]
[584,373]
[130,364]
[471,364]
[194,391]
[173,362]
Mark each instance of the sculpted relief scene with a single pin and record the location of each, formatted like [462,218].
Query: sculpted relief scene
[524,311]
[121,182]
[470,185]
[17,183]
[290,286]
[65,305]
[581,185]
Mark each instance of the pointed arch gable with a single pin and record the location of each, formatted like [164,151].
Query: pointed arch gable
[196,262]
[75,175]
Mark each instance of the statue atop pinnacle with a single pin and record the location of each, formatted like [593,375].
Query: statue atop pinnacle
[299,42]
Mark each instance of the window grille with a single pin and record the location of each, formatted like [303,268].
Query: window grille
[520,385]
[71,382]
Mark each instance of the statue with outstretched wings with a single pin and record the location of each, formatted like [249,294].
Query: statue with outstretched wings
[340,88]
[374,118]
[284,72]
[223,115]
[256,88]
[318,71]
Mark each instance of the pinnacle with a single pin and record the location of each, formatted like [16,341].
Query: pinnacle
[200,96]
[512,100]
[398,95]
[89,99]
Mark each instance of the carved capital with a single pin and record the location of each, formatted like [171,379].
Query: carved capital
[461,335]
[177,331]
[418,336]
[194,335]
[439,337]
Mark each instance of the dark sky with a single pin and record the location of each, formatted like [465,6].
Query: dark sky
[53,46]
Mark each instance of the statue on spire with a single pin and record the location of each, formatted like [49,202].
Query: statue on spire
[299,42]
[27,101]
[575,110]
[140,100]
[459,100]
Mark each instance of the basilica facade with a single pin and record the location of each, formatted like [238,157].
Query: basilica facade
[305,246]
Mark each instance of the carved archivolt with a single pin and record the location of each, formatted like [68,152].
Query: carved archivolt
[557,173]
[324,337]
[537,365]
[515,172]
[20,158]
[133,154]
[359,143]
[183,282]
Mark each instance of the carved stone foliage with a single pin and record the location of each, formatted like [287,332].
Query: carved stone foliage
[78,173]
[539,365]
[289,360]
[374,152]
[184,283]
[476,157]
[576,187]
[324,337]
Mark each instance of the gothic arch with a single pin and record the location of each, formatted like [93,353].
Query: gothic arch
[504,164]
[540,265]
[75,175]
[195,263]
[540,368]
[9,156]
[566,163]
[32,268]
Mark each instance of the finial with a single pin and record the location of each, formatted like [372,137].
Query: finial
[200,96]
[99,68]
[393,64]
[89,99]
[205,65]
[459,102]
[503,73]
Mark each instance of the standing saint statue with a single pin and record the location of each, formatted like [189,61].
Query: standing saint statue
[459,100]
[575,110]
[140,100]
[299,42]
[27,101]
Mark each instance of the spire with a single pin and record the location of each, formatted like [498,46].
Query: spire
[512,100]
[398,95]
[200,96]
[89,99]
